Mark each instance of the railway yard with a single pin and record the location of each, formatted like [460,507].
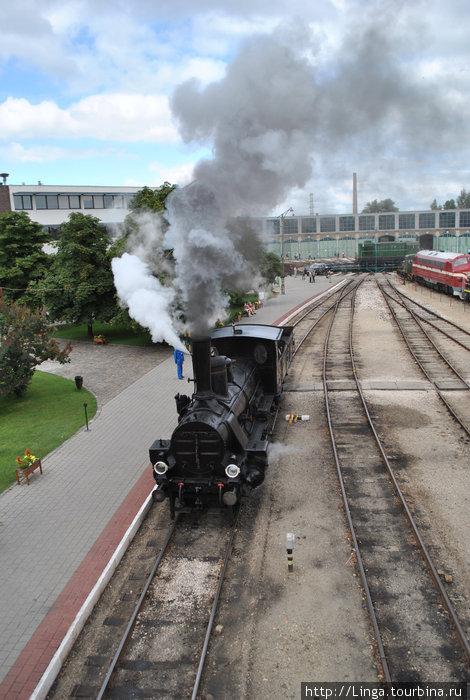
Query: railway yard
[370,597]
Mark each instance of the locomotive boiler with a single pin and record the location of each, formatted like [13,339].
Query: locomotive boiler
[218,451]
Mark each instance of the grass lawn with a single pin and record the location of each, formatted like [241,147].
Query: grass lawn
[121,335]
[49,413]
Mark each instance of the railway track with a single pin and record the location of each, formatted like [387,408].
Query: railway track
[156,641]
[430,338]
[393,576]
[419,636]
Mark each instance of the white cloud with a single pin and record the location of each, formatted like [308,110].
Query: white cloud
[17,153]
[180,174]
[118,117]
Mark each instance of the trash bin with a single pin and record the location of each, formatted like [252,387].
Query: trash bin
[78,381]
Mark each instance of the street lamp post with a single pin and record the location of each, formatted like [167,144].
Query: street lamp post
[281,231]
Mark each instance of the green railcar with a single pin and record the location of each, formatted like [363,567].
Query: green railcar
[386,249]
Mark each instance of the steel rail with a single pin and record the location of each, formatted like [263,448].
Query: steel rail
[369,602]
[427,310]
[128,631]
[343,292]
[425,320]
[463,425]
[202,660]
[417,320]
[424,551]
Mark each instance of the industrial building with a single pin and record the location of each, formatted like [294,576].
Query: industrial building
[295,237]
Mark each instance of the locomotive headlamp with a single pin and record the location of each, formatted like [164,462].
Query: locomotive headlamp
[160,468]
[232,471]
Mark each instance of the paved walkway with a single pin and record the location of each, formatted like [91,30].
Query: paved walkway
[58,534]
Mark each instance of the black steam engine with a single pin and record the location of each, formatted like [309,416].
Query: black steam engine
[218,451]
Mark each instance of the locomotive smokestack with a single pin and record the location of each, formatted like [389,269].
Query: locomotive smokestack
[202,366]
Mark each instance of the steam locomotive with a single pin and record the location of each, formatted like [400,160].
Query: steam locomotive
[218,451]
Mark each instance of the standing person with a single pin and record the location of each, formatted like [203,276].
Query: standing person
[179,359]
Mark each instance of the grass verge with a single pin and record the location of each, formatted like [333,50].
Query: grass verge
[121,335]
[49,413]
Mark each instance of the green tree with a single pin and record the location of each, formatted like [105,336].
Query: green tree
[79,287]
[25,342]
[146,202]
[463,200]
[450,204]
[270,267]
[435,206]
[22,259]
[376,206]
[151,199]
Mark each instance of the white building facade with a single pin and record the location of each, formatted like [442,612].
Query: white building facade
[51,206]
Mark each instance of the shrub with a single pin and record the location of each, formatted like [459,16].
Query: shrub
[25,342]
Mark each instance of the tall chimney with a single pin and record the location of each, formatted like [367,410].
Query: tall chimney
[354,193]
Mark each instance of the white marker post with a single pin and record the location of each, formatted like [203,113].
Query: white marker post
[290,542]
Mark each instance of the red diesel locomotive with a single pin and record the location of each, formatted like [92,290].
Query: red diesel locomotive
[446,272]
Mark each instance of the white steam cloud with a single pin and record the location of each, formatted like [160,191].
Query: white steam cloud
[276,451]
[147,300]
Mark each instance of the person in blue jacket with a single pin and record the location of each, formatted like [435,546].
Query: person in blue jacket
[179,359]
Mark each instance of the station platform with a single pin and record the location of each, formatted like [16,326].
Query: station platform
[62,536]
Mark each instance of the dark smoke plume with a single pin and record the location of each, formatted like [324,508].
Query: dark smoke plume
[272,112]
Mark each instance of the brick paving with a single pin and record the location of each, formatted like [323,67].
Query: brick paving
[107,369]
[57,535]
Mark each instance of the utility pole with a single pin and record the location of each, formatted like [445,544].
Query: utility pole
[281,231]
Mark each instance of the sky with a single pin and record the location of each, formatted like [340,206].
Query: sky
[304,92]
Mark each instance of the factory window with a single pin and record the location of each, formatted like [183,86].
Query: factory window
[347,223]
[327,224]
[309,225]
[98,201]
[386,221]
[273,226]
[47,201]
[367,222]
[447,219]
[406,221]
[23,201]
[427,220]
[88,202]
[464,218]
[108,201]
[291,225]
